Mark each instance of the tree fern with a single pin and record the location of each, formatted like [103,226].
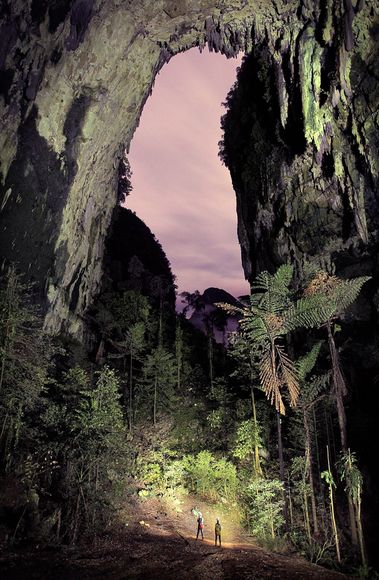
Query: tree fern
[306,363]
[272,292]
[289,374]
[283,277]
[315,388]
[262,324]
[270,381]
[334,294]
[308,312]
[347,292]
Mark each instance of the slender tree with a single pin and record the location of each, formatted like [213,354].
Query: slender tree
[328,476]
[159,379]
[247,371]
[336,295]
[271,315]
[351,475]
[310,394]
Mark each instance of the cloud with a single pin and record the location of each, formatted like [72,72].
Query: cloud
[180,188]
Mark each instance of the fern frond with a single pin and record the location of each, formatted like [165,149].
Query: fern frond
[289,374]
[270,381]
[347,292]
[309,312]
[230,309]
[306,363]
[253,325]
[261,283]
[271,292]
[317,386]
[283,276]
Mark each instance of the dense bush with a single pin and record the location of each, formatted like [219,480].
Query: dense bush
[210,477]
[263,502]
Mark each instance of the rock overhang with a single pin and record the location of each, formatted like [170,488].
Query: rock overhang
[82,71]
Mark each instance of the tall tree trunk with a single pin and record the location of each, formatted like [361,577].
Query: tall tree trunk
[306,516]
[10,292]
[334,523]
[281,468]
[290,502]
[155,399]
[76,519]
[340,392]
[360,532]
[258,468]
[160,327]
[210,355]
[316,443]
[131,390]
[340,389]
[309,469]
[179,353]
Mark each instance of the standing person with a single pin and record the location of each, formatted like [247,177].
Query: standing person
[218,532]
[200,526]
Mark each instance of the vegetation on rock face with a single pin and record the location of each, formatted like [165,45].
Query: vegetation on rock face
[78,429]
[305,184]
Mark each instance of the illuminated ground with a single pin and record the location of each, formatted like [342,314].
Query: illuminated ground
[154,543]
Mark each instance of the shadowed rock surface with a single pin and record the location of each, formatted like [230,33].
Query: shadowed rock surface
[74,76]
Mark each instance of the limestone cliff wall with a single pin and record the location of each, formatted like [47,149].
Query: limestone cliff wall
[75,74]
[301,142]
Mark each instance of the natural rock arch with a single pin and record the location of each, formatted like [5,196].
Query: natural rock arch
[74,76]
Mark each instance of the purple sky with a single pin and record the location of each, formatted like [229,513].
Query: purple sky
[180,189]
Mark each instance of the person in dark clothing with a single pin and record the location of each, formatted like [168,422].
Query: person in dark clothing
[200,526]
[217,532]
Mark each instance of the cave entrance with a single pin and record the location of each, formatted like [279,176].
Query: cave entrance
[181,190]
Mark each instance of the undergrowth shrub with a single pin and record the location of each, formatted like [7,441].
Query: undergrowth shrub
[263,506]
[209,477]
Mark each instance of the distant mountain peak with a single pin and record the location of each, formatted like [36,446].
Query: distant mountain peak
[213,295]
[203,315]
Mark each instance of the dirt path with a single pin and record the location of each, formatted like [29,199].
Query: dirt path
[157,543]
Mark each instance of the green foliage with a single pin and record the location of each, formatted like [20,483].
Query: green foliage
[318,551]
[301,491]
[60,438]
[151,468]
[93,450]
[210,477]
[161,472]
[62,432]
[366,572]
[135,338]
[129,308]
[263,506]
[202,474]
[306,363]
[158,381]
[298,467]
[219,421]
[216,419]
[25,354]
[98,413]
[328,297]
[350,474]
[328,477]
[247,437]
